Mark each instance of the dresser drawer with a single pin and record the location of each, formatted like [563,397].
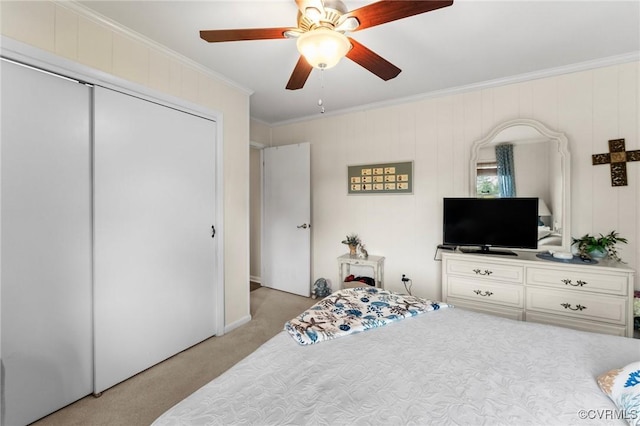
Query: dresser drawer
[485,308]
[577,304]
[486,292]
[577,324]
[578,280]
[486,270]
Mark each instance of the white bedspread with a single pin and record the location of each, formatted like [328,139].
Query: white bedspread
[448,367]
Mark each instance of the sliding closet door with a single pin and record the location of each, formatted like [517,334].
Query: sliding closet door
[154,253]
[46,243]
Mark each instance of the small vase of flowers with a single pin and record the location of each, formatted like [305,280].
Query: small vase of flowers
[353,241]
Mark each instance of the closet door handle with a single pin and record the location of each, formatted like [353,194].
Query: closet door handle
[213,231]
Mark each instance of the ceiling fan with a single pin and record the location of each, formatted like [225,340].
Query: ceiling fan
[321,38]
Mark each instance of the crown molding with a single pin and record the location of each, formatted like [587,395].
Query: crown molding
[550,72]
[94,16]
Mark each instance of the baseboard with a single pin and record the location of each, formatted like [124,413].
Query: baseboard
[255,279]
[236,324]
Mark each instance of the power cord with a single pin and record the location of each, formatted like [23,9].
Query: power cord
[406,280]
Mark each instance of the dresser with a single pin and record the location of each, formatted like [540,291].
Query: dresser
[597,298]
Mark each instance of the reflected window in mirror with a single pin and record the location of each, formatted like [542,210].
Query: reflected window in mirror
[487,179]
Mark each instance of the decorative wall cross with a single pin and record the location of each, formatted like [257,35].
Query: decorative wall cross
[618,158]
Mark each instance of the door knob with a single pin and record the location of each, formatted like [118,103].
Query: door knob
[303,226]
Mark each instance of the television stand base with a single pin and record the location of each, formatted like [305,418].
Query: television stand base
[486,250]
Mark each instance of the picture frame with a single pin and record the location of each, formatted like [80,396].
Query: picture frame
[380,178]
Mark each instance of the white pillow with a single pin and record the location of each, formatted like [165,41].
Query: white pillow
[623,387]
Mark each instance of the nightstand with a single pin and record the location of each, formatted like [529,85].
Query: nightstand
[376,262]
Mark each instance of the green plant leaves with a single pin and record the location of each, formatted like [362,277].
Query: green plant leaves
[607,243]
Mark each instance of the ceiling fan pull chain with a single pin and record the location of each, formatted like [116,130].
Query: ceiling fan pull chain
[320,102]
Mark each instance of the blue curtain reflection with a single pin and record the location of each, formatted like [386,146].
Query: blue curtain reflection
[506,171]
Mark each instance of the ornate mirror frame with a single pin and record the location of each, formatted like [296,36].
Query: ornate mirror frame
[565,170]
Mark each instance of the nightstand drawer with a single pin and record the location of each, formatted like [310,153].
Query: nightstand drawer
[486,270]
[578,305]
[486,292]
[578,280]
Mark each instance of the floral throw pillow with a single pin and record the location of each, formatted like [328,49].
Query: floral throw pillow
[623,387]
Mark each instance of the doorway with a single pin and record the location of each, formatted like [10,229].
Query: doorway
[255,215]
[280,218]
[286,215]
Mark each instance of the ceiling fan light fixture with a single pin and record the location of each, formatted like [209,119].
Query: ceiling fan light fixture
[322,47]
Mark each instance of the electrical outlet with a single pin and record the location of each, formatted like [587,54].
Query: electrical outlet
[404,278]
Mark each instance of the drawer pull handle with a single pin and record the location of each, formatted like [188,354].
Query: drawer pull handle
[482,293]
[485,272]
[577,308]
[578,283]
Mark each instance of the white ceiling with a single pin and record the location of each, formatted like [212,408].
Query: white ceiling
[467,44]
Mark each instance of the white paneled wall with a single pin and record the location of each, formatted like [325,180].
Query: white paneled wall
[590,107]
[70,31]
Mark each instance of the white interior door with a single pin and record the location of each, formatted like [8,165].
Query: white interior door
[154,253]
[46,243]
[286,245]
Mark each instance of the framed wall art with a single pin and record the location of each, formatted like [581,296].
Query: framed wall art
[383,178]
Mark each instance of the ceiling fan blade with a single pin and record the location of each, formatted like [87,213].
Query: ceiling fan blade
[373,62]
[299,75]
[391,10]
[216,36]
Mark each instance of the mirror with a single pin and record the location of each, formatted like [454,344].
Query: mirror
[541,168]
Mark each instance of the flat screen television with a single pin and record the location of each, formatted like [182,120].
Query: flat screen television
[485,223]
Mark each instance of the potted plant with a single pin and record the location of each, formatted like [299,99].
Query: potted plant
[602,246]
[352,241]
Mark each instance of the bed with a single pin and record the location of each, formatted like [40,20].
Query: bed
[446,366]
[547,237]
